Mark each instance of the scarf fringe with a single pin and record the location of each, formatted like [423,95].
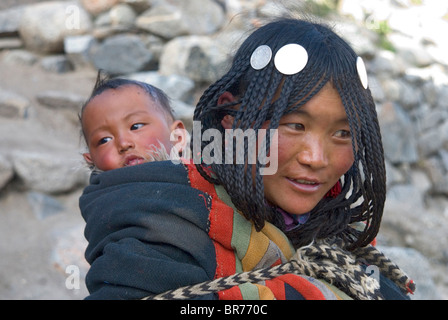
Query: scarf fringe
[327,260]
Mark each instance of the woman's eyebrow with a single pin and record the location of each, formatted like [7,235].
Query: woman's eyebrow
[302,112]
[342,120]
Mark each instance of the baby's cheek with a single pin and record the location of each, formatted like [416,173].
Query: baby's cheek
[156,140]
[108,162]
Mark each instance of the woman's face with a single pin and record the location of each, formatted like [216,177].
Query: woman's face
[314,151]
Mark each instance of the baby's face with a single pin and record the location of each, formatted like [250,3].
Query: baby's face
[122,125]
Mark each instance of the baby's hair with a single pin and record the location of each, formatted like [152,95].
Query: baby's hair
[104,82]
[266,95]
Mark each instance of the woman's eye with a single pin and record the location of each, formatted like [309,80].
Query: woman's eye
[104,140]
[343,134]
[296,126]
[137,126]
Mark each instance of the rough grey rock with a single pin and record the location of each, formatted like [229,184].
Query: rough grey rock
[47,172]
[442,96]
[437,173]
[10,43]
[120,14]
[139,6]
[19,57]
[386,63]
[398,134]
[196,57]
[6,171]
[66,103]
[418,268]
[10,21]
[444,134]
[57,64]
[44,205]
[409,222]
[44,25]
[62,100]
[13,105]
[177,18]
[413,53]
[95,7]
[121,54]
[76,48]
[175,86]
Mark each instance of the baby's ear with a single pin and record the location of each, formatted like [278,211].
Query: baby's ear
[178,124]
[88,158]
[179,135]
[178,128]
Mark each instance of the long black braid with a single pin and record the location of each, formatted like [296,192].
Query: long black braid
[264,96]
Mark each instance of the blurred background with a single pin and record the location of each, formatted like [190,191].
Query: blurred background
[50,52]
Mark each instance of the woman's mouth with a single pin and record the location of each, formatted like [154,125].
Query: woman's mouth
[305,185]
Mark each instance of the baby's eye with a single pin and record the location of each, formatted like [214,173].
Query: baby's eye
[104,140]
[137,126]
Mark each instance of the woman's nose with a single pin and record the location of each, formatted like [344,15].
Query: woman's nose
[312,154]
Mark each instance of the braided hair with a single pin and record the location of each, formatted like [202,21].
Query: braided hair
[267,95]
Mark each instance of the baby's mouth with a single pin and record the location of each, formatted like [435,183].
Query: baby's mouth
[133,161]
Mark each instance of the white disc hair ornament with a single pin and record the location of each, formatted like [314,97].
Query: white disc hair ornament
[261,57]
[291,59]
[362,72]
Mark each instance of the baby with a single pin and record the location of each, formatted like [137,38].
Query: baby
[128,122]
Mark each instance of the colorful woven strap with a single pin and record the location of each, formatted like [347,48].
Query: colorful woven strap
[324,260]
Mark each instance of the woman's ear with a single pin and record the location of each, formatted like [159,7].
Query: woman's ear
[226,97]
[227,122]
